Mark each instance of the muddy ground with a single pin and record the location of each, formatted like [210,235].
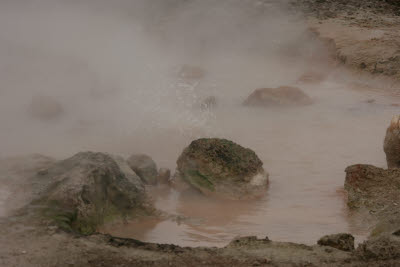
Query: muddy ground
[364,34]
[366,38]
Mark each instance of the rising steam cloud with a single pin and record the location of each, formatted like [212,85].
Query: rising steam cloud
[96,75]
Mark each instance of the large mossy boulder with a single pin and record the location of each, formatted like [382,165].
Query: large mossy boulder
[89,189]
[277,97]
[222,168]
[391,144]
[145,167]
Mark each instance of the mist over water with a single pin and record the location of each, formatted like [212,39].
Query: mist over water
[102,76]
[113,68]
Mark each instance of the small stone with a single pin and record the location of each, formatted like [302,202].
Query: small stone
[341,241]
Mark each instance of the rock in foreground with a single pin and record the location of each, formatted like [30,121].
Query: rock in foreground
[391,145]
[376,191]
[145,167]
[281,96]
[222,168]
[89,189]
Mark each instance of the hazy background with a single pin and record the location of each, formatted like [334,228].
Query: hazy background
[109,70]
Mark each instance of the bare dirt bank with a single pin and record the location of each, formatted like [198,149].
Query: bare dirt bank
[365,34]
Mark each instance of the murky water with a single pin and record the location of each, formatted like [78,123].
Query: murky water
[305,150]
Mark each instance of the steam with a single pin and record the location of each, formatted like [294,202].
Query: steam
[111,70]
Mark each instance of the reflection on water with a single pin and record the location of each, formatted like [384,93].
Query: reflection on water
[305,150]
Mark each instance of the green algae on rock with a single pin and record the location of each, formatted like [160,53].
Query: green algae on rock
[222,168]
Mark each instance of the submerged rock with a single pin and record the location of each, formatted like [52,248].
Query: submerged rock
[145,167]
[222,168]
[341,241]
[391,144]
[89,189]
[281,96]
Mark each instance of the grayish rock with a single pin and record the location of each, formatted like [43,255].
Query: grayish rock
[145,167]
[89,189]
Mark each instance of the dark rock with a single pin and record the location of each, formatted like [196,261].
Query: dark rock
[144,167]
[281,96]
[222,168]
[342,241]
[247,241]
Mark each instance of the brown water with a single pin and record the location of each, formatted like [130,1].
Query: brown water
[305,150]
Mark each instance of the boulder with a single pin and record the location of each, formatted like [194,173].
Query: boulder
[384,247]
[376,193]
[281,96]
[391,144]
[372,187]
[341,241]
[145,167]
[164,175]
[222,168]
[89,189]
